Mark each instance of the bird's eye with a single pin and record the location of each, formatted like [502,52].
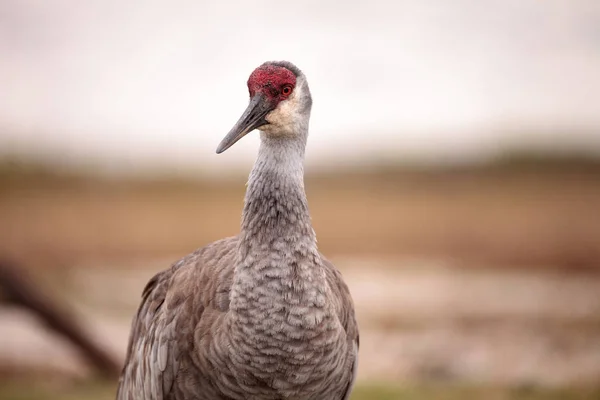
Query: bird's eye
[287,89]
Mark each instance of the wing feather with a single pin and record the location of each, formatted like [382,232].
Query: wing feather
[151,367]
[173,301]
[346,314]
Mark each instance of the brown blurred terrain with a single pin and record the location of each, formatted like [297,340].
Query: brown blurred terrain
[526,214]
[482,279]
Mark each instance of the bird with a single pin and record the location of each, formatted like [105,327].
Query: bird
[260,315]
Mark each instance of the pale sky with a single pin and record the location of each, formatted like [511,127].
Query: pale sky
[135,84]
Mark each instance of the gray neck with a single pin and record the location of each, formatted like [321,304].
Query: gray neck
[276,209]
[278,258]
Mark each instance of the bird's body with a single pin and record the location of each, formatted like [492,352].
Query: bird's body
[262,315]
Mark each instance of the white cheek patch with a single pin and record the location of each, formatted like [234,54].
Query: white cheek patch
[284,118]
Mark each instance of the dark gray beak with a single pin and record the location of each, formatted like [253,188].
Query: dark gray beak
[253,117]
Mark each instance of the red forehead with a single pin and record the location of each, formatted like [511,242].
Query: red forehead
[270,76]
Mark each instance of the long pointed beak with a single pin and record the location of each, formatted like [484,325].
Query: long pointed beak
[252,118]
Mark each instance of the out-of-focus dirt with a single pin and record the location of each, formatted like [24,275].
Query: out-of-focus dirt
[526,310]
[420,321]
[524,219]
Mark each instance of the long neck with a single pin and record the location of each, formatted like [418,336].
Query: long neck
[278,261]
[276,209]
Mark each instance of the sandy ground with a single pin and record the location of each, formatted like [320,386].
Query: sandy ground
[424,321]
[523,218]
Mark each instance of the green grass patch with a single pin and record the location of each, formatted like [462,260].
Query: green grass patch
[451,392]
[47,391]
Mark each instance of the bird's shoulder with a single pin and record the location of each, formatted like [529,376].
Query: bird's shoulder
[203,277]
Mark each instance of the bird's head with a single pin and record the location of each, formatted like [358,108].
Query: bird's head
[279,105]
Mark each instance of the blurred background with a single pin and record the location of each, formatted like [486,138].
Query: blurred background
[453,175]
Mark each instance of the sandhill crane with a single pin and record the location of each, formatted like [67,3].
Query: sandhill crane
[262,315]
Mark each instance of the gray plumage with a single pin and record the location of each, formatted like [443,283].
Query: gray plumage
[262,315]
